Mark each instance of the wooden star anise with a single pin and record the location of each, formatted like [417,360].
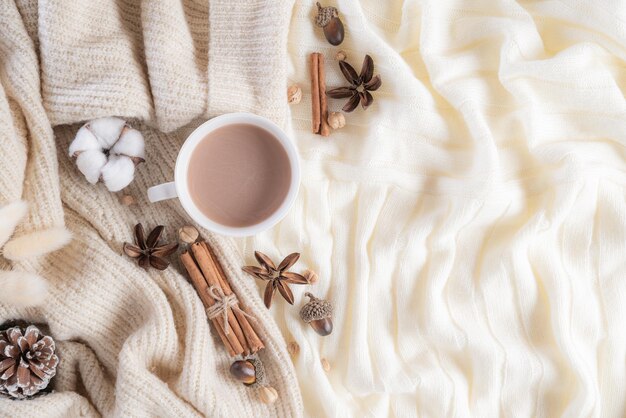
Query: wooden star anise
[148,252]
[360,85]
[277,277]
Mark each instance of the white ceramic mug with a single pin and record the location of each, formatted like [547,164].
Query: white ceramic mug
[179,188]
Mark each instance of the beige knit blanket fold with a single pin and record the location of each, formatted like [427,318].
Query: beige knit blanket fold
[132,343]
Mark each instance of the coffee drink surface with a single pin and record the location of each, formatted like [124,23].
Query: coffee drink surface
[239,175]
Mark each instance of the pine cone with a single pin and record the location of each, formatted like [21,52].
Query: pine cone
[27,361]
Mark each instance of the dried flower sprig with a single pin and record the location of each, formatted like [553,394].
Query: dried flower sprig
[360,85]
[276,277]
[148,252]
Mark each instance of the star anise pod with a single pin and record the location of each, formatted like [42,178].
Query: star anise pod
[148,252]
[360,85]
[276,277]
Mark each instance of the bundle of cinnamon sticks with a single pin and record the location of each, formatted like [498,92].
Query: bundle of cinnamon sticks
[318,95]
[237,333]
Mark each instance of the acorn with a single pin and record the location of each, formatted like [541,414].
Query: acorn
[244,371]
[318,312]
[328,19]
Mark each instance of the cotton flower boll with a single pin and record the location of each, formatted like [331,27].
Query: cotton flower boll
[103,149]
[131,144]
[85,141]
[107,130]
[118,172]
[36,243]
[90,163]
[10,216]
[22,289]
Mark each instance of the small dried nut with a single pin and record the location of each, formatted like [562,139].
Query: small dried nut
[336,120]
[294,94]
[244,371]
[325,365]
[268,394]
[310,276]
[188,234]
[127,200]
[341,56]
[293,348]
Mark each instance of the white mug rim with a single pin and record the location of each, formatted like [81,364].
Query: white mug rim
[182,166]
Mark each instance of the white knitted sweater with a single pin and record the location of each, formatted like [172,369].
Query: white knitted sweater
[132,344]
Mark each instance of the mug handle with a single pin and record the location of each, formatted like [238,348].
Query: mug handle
[162,192]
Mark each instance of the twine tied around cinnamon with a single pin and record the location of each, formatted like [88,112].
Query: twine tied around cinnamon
[223,302]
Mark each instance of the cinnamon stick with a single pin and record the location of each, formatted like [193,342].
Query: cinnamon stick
[205,262]
[325,128]
[315,93]
[197,279]
[255,325]
[252,338]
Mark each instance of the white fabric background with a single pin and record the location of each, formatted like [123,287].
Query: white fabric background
[469,226]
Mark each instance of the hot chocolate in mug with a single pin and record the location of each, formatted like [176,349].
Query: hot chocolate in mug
[237,174]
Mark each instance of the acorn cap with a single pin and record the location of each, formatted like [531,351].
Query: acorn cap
[261,377]
[325,14]
[315,309]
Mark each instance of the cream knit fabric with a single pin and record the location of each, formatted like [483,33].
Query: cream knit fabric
[470,227]
[132,343]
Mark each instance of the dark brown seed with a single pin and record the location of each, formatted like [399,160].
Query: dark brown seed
[243,371]
[139,236]
[144,261]
[132,250]
[257,272]
[285,291]
[340,93]
[264,260]
[270,289]
[165,250]
[158,263]
[349,73]
[366,99]
[294,278]
[154,236]
[322,326]
[352,103]
[289,261]
[367,70]
[374,84]
[334,32]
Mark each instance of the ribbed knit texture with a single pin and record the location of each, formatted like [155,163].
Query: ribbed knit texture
[133,343]
[469,227]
